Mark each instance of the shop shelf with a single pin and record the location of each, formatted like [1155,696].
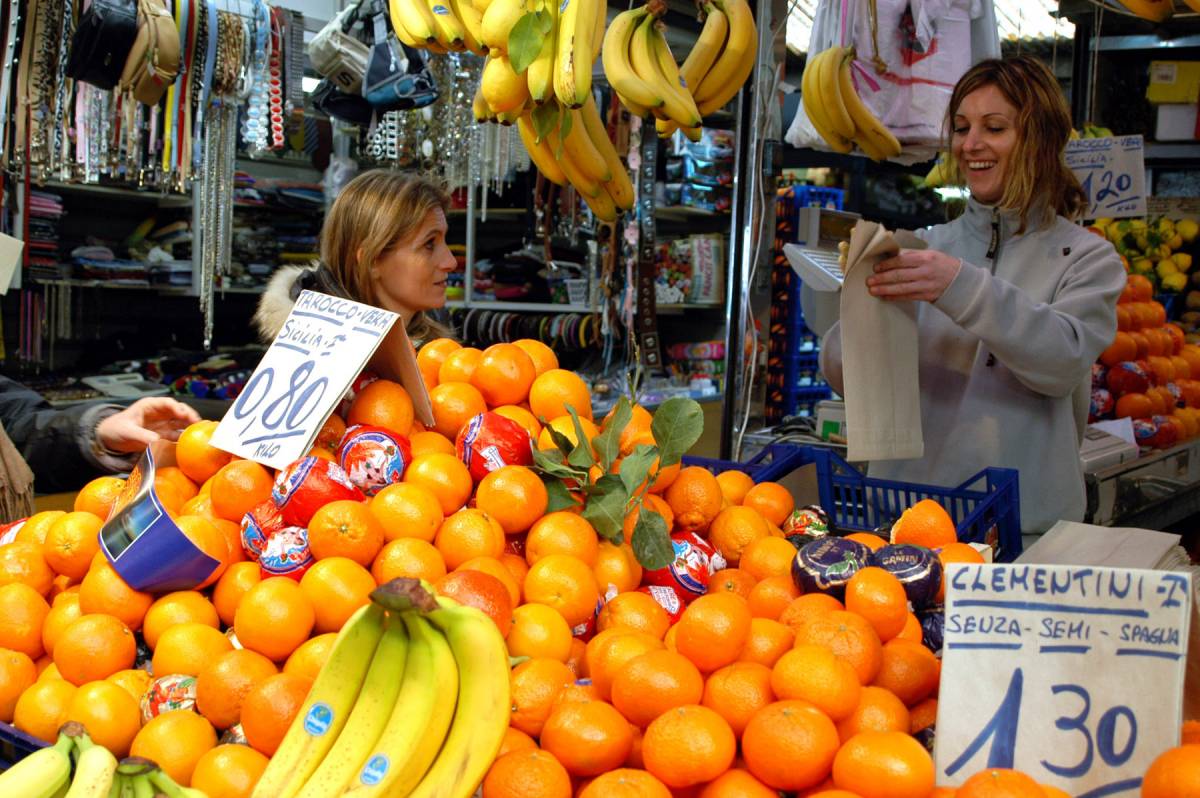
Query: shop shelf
[985,508]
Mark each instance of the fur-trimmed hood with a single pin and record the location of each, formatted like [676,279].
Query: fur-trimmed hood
[277,300]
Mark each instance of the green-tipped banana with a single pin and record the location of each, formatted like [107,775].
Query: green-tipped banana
[539,151]
[420,718]
[481,716]
[618,186]
[95,770]
[706,49]
[581,150]
[829,79]
[574,52]
[634,92]
[871,134]
[540,74]
[324,712]
[736,61]
[415,18]
[43,774]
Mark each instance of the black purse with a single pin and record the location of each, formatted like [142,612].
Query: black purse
[332,101]
[397,77]
[102,41]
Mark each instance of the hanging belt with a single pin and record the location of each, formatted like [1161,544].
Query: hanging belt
[210,58]
[11,37]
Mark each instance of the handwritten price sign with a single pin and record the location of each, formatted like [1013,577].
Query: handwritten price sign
[322,347]
[1112,172]
[1071,674]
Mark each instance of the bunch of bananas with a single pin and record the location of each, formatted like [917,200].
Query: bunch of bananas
[413,701]
[837,112]
[440,26]
[98,774]
[640,68]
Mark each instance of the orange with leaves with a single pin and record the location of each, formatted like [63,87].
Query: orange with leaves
[695,498]
[513,495]
[885,763]
[534,685]
[383,403]
[737,691]
[196,457]
[713,629]
[98,496]
[790,745]
[927,524]
[587,737]
[688,745]
[652,683]
[454,404]
[238,487]
[345,528]
[812,673]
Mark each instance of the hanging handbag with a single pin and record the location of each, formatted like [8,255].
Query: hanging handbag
[102,41]
[153,61]
[337,55]
[397,78]
[330,100]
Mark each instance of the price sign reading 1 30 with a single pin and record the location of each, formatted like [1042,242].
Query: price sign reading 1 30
[1071,674]
[321,348]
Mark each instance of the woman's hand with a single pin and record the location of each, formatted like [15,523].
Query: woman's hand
[143,422]
[914,274]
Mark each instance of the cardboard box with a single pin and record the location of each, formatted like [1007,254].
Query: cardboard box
[1176,122]
[708,269]
[1174,82]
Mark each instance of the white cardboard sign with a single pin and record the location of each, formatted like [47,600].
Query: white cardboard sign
[1071,674]
[1112,172]
[321,348]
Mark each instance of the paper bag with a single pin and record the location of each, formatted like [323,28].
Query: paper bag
[879,354]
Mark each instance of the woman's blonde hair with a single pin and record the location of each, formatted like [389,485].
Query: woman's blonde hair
[1038,182]
[372,214]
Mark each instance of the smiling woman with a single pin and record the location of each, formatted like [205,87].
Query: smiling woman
[383,244]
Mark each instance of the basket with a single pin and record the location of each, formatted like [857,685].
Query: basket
[985,508]
[15,745]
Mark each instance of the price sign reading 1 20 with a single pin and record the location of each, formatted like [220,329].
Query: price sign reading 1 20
[322,347]
[1112,172]
[1071,674]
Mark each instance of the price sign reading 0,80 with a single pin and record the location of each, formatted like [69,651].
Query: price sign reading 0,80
[1071,674]
[1112,172]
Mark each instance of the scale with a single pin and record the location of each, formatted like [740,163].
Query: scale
[814,256]
[126,386]
[1101,449]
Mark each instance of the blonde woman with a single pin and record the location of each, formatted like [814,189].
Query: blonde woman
[383,244]
[1015,300]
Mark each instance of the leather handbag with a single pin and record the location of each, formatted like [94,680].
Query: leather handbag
[330,100]
[102,41]
[153,61]
[337,55]
[397,77]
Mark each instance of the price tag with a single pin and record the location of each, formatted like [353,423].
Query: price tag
[1112,172]
[321,348]
[1071,674]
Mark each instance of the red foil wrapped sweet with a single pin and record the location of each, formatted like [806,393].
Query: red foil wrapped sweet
[309,484]
[373,457]
[668,597]
[695,560]
[490,441]
[258,525]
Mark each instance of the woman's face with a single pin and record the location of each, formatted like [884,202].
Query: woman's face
[411,276]
[983,139]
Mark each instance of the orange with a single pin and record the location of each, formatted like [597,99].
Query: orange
[625,783]
[737,691]
[93,648]
[607,654]
[955,552]
[513,495]
[713,629]
[731,580]
[104,591]
[238,487]
[454,404]
[232,586]
[195,456]
[176,740]
[565,425]
[878,596]
[108,713]
[37,525]
[269,709]
[336,587]
[542,356]
[228,771]
[274,617]
[565,583]
[688,745]
[184,486]
[309,657]
[656,504]
[581,691]
[616,567]
[432,355]
[635,431]
[482,591]
[25,562]
[98,496]
[23,613]
[515,740]
[429,441]
[653,683]
[735,529]
[522,416]
[42,708]
[812,673]
[772,500]
[504,374]
[767,642]
[878,710]
[459,365]
[553,391]
[562,533]
[200,504]
[183,606]
[1190,732]
[771,596]
[765,557]
[909,670]
[444,476]
[519,774]
[493,567]
[233,543]
[587,737]
[1002,783]
[737,783]
[223,684]
[912,629]
[806,608]
[734,485]
[922,715]
[329,438]
[927,524]
[411,557]
[188,648]
[205,535]
[134,681]
[871,541]
[790,745]
[695,498]
[407,510]
[534,685]
[1174,774]
[467,534]
[851,637]
[383,403]
[892,764]
[17,674]
[538,631]
[345,528]
[577,658]
[634,610]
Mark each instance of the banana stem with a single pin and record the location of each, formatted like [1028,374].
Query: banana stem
[161,780]
[404,594]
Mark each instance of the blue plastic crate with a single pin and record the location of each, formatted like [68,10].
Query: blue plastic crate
[986,508]
[15,745]
[819,196]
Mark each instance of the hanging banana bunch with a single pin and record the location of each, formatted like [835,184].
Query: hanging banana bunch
[836,110]
[440,26]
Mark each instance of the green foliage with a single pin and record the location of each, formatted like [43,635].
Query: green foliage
[525,39]
[652,541]
[581,456]
[605,508]
[677,425]
[544,117]
[560,497]
[636,466]
[608,442]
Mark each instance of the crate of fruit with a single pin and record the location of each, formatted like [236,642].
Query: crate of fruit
[985,508]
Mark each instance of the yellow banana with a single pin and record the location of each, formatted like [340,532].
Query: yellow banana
[874,138]
[369,716]
[419,720]
[449,30]
[44,773]
[324,712]
[503,89]
[581,182]
[814,106]
[706,49]
[829,78]
[680,106]
[539,151]
[481,716]
[580,149]
[736,61]
[481,5]
[603,206]
[415,17]
[540,75]
[632,107]
[1153,10]
[498,22]
[402,32]
[574,54]
[694,134]
[95,771]
[481,110]
[598,31]
[472,25]
[508,118]
[634,92]
[618,186]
